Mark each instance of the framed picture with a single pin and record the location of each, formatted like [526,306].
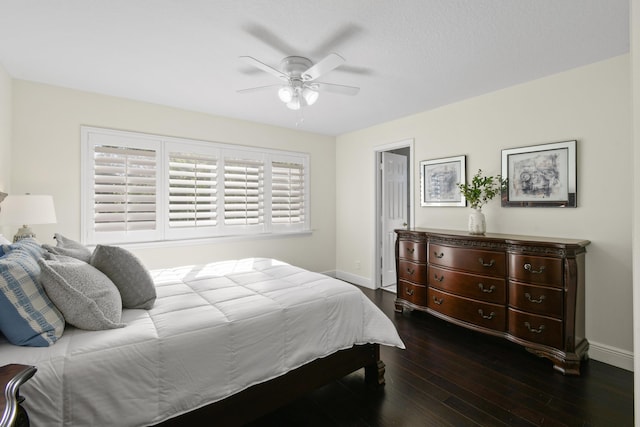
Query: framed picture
[540,176]
[439,181]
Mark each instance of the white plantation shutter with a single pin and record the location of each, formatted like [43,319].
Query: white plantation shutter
[124,188]
[192,190]
[287,193]
[243,192]
[146,188]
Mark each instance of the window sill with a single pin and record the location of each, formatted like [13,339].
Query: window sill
[212,240]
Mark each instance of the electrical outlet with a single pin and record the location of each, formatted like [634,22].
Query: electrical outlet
[357,265]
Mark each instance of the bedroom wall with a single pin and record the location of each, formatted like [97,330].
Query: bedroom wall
[46,130]
[635,82]
[590,104]
[5,138]
[5,129]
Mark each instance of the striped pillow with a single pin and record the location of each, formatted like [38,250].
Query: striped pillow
[27,315]
[30,245]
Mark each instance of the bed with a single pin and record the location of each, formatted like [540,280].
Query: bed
[218,336]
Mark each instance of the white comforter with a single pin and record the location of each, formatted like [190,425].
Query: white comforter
[215,330]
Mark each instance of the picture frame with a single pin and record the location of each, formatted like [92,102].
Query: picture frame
[540,175]
[439,179]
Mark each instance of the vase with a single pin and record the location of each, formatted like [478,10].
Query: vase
[477,223]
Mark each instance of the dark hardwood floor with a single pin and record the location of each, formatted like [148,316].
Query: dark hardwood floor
[450,376]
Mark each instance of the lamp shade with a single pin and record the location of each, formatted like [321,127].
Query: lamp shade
[294,104]
[310,95]
[285,93]
[27,209]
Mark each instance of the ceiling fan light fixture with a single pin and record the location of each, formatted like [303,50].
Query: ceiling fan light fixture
[310,95]
[294,104]
[285,93]
[298,87]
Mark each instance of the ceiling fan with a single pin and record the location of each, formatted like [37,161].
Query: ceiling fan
[299,86]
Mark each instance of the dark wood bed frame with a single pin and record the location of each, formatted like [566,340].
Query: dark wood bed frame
[235,410]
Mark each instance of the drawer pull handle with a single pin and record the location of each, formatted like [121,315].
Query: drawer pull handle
[409,291]
[438,255]
[484,264]
[535,331]
[485,290]
[438,301]
[535,301]
[411,250]
[489,317]
[410,271]
[530,268]
[438,279]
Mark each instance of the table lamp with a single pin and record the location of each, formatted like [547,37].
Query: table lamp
[27,209]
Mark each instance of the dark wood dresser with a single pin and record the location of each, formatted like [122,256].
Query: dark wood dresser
[529,290]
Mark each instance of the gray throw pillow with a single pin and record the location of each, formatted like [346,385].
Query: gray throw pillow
[69,247]
[86,298]
[128,273]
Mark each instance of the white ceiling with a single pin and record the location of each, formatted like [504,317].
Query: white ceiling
[406,56]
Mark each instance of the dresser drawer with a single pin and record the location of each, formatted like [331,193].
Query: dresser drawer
[415,294]
[416,273]
[491,316]
[536,299]
[484,288]
[536,269]
[414,251]
[539,329]
[472,260]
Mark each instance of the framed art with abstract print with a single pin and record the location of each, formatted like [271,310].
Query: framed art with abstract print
[540,176]
[439,180]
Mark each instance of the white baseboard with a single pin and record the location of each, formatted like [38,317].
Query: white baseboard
[611,355]
[331,273]
[355,279]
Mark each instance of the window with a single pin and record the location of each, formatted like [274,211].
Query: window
[287,193]
[141,188]
[192,190]
[243,192]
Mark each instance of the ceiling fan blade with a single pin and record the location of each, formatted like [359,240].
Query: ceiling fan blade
[341,89]
[323,66]
[271,39]
[344,34]
[257,89]
[264,67]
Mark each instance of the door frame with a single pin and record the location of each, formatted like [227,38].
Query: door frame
[377,208]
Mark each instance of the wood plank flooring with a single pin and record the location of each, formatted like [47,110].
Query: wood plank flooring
[449,376]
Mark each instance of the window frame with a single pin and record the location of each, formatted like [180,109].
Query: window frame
[164,146]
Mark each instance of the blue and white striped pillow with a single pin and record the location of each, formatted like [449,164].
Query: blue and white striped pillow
[30,245]
[27,315]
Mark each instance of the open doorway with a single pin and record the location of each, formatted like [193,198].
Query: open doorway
[394,206]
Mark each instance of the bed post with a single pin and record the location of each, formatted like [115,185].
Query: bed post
[374,372]
[11,378]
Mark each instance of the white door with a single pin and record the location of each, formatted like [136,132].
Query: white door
[394,210]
